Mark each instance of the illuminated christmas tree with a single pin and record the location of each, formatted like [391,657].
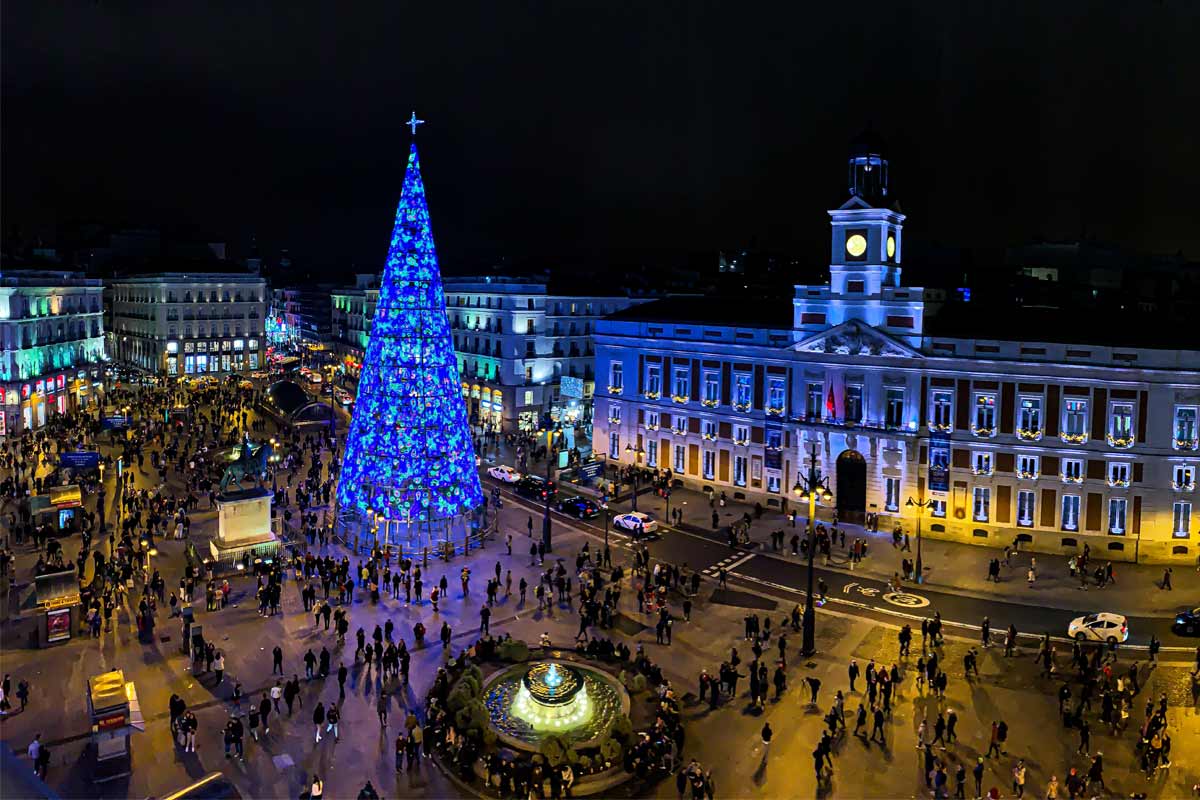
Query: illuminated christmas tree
[409,468]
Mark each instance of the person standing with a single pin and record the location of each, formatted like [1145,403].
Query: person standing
[977,773]
[853,672]
[319,718]
[341,677]
[381,710]
[264,711]
[767,734]
[1018,774]
[277,660]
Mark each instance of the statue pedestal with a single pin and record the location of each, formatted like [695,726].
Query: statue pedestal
[244,527]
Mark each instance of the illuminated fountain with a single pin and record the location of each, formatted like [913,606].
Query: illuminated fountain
[526,703]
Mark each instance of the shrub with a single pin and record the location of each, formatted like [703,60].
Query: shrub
[621,729]
[638,683]
[553,750]
[610,749]
[585,764]
[513,650]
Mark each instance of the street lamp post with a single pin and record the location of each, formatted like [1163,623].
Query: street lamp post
[921,505]
[637,452]
[546,512]
[807,488]
[604,508]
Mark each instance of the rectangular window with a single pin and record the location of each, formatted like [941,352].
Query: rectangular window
[981,463]
[1118,474]
[708,429]
[678,462]
[616,377]
[742,392]
[614,414]
[712,389]
[1116,516]
[652,453]
[1181,517]
[814,399]
[1186,437]
[710,460]
[985,415]
[774,440]
[614,445]
[942,412]
[254,361]
[1183,478]
[1070,512]
[1025,501]
[983,504]
[939,509]
[739,470]
[773,482]
[776,403]
[1072,470]
[1029,419]
[652,419]
[891,501]
[895,409]
[1027,467]
[680,425]
[853,404]
[653,381]
[681,390]
[1075,421]
[741,434]
[189,364]
[1120,425]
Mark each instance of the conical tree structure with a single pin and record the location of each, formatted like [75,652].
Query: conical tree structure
[409,456]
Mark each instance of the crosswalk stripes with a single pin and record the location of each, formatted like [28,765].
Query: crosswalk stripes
[728,564]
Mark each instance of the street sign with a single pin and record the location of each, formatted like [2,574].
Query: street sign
[590,471]
[114,422]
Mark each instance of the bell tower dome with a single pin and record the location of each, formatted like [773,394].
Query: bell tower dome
[868,168]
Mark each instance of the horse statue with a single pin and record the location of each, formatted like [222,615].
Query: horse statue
[251,463]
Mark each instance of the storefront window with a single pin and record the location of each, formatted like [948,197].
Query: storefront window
[189,364]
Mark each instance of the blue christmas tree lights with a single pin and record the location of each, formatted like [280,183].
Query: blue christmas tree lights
[409,456]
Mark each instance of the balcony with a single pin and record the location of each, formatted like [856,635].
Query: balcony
[681,399]
[1186,444]
[1120,442]
[1073,438]
[1027,435]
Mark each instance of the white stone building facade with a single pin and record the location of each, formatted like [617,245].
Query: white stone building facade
[1010,429]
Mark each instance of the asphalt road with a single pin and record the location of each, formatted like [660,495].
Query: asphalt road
[785,580]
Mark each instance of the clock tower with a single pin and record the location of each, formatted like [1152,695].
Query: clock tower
[865,254]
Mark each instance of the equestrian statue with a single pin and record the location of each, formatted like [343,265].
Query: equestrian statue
[252,463]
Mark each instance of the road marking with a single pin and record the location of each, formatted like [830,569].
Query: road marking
[906,600]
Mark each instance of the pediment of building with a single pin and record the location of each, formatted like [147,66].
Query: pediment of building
[856,338]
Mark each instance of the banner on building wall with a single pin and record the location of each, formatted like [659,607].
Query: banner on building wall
[570,387]
[773,457]
[939,466]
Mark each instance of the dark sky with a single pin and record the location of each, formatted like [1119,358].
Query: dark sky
[576,129]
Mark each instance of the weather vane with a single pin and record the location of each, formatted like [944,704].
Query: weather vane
[413,122]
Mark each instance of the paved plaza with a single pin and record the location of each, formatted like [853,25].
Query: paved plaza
[725,739]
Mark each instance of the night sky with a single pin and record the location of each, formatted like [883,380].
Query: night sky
[578,132]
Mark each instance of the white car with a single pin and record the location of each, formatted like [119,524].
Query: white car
[1102,627]
[504,473]
[635,521]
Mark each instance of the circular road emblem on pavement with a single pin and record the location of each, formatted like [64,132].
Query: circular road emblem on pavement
[906,600]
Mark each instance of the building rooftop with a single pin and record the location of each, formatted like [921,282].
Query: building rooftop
[730,310]
[1085,326]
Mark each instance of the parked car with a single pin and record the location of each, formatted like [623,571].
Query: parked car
[579,506]
[505,473]
[1187,623]
[636,522]
[536,488]
[1101,627]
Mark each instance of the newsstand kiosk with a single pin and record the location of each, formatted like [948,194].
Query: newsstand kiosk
[116,714]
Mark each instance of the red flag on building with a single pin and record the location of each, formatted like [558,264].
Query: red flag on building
[829,404]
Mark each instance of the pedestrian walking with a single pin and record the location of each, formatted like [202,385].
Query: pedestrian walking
[318,719]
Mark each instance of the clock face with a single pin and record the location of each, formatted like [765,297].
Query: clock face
[856,245]
[891,246]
